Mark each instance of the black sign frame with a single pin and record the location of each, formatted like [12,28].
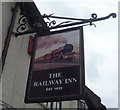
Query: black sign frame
[81,74]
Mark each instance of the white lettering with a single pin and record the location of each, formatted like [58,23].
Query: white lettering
[55,75]
[55,82]
[36,84]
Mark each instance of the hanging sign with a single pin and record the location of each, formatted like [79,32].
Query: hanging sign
[57,67]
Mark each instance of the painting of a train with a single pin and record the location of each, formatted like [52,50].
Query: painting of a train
[64,54]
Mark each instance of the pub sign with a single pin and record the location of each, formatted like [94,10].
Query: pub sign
[56,71]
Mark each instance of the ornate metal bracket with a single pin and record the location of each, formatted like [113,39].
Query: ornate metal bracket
[72,22]
[75,21]
[22,24]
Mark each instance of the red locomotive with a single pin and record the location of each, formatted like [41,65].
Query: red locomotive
[62,54]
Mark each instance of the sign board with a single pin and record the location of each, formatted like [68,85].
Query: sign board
[57,67]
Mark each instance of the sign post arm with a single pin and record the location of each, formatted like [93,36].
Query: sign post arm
[81,21]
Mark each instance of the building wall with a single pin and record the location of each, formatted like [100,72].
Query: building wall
[119,51]
[0,30]
[69,104]
[15,73]
[6,18]
[0,49]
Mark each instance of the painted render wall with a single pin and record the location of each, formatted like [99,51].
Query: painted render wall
[0,32]
[0,50]
[6,18]
[15,73]
[119,53]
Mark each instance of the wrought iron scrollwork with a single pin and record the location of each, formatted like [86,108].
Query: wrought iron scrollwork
[74,21]
[22,24]
[53,25]
[65,22]
[49,23]
[94,16]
